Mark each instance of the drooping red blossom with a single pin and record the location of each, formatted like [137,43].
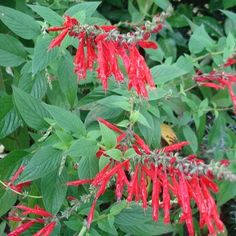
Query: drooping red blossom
[47,230]
[225,162]
[103,47]
[175,147]
[169,180]
[36,210]
[17,187]
[22,228]
[79,182]
[219,80]
[230,61]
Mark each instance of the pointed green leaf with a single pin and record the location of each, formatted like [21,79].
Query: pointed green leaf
[21,24]
[30,108]
[12,52]
[44,161]
[54,188]
[47,14]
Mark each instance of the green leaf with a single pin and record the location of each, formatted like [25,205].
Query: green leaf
[115,154]
[67,120]
[191,137]
[2,228]
[163,4]
[9,123]
[44,161]
[21,24]
[134,221]
[107,227]
[166,73]
[227,192]
[157,93]
[10,161]
[103,161]
[88,165]
[200,40]
[7,201]
[30,108]
[108,136]
[9,120]
[39,86]
[54,188]
[118,207]
[115,101]
[88,7]
[229,3]
[12,51]
[231,15]
[67,78]
[47,14]
[42,57]
[147,131]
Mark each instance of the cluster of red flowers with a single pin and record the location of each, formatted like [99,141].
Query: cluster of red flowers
[20,186]
[219,80]
[105,45]
[171,180]
[45,231]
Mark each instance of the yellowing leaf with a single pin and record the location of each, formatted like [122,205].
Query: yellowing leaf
[168,134]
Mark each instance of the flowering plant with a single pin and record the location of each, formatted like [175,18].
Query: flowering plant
[115,127]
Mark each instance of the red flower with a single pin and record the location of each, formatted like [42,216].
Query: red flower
[230,61]
[105,49]
[79,182]
[36,210]
[47,230]
[175,147]
[20,186]
[22,228]
[219,80]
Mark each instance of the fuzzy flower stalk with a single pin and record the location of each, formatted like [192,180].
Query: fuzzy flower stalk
[157,178]
[103,46]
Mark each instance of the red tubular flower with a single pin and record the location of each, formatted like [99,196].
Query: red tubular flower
[57,41]
[166,198]
[209,183]
[225,162]
[185,200]
[80,60]
[91,213]
[47,230]
[79,182]
[230,61]
[110,126]
[20,186]
[212,209]
[16,175]
[103,69]
[155,194]
[91,54]
[36,210]
[175,147]
[147,44]
[133,184]
[143,188]
[22,228]
[140,143]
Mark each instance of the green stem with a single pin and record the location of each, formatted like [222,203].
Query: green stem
[22,194]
